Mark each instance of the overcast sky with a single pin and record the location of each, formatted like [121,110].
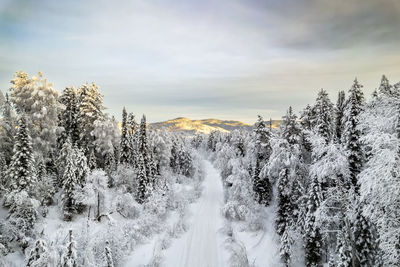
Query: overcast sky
[224,59]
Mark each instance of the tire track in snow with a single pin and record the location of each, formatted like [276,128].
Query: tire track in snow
[202,245]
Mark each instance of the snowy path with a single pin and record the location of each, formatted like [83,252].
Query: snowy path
[202,245]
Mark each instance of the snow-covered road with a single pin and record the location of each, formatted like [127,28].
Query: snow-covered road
[202,245]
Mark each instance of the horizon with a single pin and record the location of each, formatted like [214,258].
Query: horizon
[232,60]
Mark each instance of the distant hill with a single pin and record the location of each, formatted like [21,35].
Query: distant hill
[205,126]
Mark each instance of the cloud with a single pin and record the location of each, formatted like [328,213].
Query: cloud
[233,58]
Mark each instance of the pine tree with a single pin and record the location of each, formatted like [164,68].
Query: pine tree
[69,258]
[81,164]
[142,180]
[340,106]
[70,182]
[174,159]
[125,147]
[7,131]
[91,109]
[307,118]
[22,175]
[110,262]
[290,129]
[312,236]
[351,133]
[366,247]
[285,210]
[385,88]
[70,116]
[261,185]
[323,110]
[3,173]
[286,247]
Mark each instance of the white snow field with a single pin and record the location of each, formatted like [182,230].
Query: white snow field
[206,242]
[203,244]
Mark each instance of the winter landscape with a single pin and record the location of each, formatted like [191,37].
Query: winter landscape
[196,133]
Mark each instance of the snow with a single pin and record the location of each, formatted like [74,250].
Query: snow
[203,244]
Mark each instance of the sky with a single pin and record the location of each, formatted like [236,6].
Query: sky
[223,59]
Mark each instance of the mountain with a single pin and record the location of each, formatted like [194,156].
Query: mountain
[205,126]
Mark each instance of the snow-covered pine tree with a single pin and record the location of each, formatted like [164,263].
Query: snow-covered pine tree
[69,258]
[7,131]
[133,137]
[143,150]
[351,133]
[109,259]
[70,116]
[365,240]
[307,118]
[142,180]
[286,247]
[125,146]
[312,236]
[174,159]
[143,147]
[324,116]
[284,213]
[339,110]
[3,173]
[185,162]
[290,129]
[91,109]
[22,174]
[261,185]
[385,88]
[80,161]
[284,205]
[69,183]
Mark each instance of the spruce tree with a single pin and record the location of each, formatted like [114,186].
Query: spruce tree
[261,185]
[91,109]
[340,106]
[125,146]
[290,129]
[284,205]
[385,88]
[7,131]
[174,159]
[323,110]
[70,182]
[22,175]
[312,235]
[70,116]
[307,118]
[351,133]
[366,247]
[142,180]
